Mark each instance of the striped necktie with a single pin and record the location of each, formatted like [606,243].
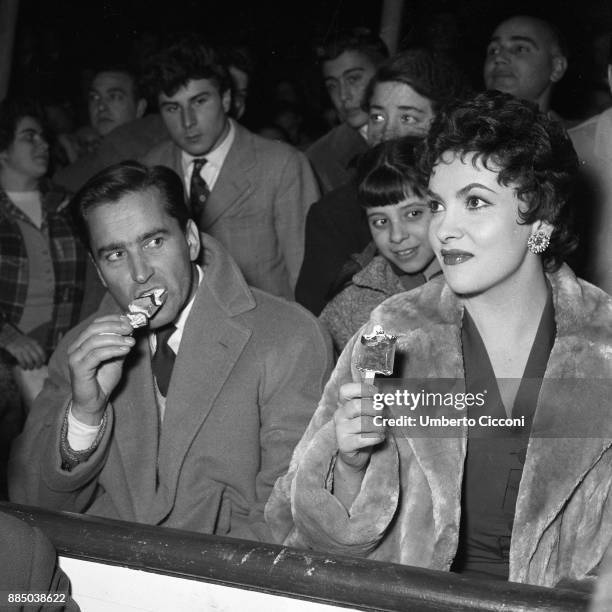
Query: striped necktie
[198,190]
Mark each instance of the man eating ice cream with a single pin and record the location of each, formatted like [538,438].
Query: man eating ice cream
[185,421]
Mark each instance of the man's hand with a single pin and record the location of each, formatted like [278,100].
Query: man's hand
[28,353]
[96,362]
[355,429]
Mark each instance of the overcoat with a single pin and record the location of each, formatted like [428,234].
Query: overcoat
[248,374]
[408,508]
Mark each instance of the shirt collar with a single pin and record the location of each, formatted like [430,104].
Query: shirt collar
[175,339]
[214,158]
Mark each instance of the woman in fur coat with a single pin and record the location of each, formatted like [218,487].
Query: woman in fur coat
[516,483]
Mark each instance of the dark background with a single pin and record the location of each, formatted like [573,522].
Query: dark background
[58,41]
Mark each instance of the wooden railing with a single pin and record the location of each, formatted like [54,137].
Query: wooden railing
[287,572]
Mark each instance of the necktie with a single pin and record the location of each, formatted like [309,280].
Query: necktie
[163,360]
[198,190]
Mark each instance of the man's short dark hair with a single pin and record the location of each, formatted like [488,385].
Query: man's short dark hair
[122,69]
[12,111]
[433,76]
[119,180]
[530,151]
[387,173]
[361,40]
[186,59]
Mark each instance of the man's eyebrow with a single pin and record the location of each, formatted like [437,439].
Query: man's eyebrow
[345,73]
[526,39]
[117,90]
[117,246]
[348,71]
[517,38]
[465,190]
[205,92]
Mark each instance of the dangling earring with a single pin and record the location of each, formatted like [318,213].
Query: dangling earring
[538,242]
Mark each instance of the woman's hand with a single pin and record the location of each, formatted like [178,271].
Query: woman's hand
[28,353]
[356,435]
[355,429]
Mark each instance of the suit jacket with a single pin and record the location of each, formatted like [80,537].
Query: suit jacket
[28,563]
[129,141]
[257,208]
[332,154]
[408,508]
[593,143]
[244,386]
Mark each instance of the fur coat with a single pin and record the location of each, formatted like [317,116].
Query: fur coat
[408,508]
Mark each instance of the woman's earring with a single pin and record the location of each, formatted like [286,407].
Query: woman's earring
[538,242]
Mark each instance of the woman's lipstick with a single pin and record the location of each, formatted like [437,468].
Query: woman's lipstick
[454,256]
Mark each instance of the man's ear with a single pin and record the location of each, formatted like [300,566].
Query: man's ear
[141,107]
[559,66]
[93,261]
[192,235]
[226,100]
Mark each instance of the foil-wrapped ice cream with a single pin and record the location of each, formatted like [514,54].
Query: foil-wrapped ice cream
[145,306]
[376,353]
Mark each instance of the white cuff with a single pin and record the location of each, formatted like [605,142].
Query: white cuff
[80,436]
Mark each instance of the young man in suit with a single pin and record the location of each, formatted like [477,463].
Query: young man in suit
[249,193]
[348,62]
[188,422]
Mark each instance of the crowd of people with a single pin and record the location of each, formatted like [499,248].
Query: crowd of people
[472,227]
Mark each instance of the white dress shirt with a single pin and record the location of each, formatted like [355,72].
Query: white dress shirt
[214,161]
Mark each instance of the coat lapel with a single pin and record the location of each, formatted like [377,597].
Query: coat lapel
[233,182]
[135,409]
[565,438]
[210,346]
[212,342]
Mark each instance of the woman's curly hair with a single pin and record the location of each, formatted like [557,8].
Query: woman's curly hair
[529,150]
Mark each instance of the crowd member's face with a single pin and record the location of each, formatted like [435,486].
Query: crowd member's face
[28,154]
[397,110]
[346,78]
[112,101]
[196,116]
[523,59]
[137,246]
[400,233]
[241,90]
[475,227]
